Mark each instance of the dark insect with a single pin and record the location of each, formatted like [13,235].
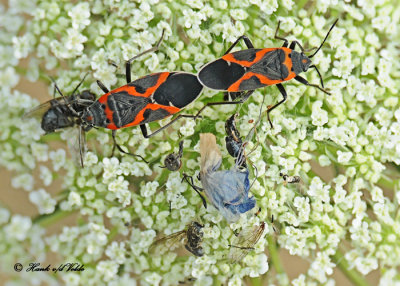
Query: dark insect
[233,140]
[144,100]
[241,72]
[192,238]
[290,179]
[246,239]
[64,112]
[173,161]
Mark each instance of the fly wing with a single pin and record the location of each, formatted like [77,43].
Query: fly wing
[76,142]
[38,111]
[168,242]
[209,153]
[245,242]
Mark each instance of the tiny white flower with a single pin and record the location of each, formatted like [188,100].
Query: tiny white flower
[18,228]
[116,251]
[344,157]
[80,14]
[43,200]
[107,269]
[24,181]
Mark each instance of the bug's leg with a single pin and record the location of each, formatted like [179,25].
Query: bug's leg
[241,247]
[143,127]
[285,41]
[284,94]
[121,150]
[243,99]
[246,40]
[293,46]
[304,81]
[320,77]
[80,83]
[64,98]
[54,92]
[180,152]
[102,87]
[189,180]
[81,144]
[128,62]
[233,95]
[59,91]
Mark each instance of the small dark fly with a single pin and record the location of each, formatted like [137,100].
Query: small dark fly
[173,161]
[246,239]
[191,237]
[290,179]
[64,112]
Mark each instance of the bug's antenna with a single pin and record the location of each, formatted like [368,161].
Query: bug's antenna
[323,42]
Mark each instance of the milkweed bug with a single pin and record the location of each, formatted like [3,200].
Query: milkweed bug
[246,70]
[147,99]
[63,112]
[193,237]
[173,161]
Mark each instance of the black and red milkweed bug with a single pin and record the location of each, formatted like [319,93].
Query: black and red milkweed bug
[246,70]
[147,99]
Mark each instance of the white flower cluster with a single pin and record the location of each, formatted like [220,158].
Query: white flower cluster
[345,147]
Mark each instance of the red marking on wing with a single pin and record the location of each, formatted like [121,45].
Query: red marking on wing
[235,87]
[263,79]
[259,55]
[162,77]
[288,63]
[151,106]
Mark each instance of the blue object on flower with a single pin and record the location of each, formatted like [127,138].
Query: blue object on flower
[228,190]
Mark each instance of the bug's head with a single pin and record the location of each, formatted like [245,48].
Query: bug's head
[87,119]
[305,62]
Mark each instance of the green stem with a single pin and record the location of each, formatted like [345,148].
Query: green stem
[48,219]
[256,281]
[274,255]
[113,233]
[353,275]
[301,4]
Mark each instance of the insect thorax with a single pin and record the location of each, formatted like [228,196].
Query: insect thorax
[300,62]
